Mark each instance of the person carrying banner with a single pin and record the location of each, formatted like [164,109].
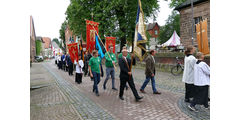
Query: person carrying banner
[126,76]
[150,72]
[79,71]
[128,56]
[94,69]
[110,62]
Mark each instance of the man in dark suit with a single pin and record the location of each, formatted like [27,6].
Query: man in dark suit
[126,76]
[150,72]
[70,65]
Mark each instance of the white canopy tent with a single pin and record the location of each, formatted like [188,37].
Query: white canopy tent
[173,41]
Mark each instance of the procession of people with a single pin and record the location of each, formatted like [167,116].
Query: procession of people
[196,75]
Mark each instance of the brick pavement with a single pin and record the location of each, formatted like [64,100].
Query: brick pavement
[153,107]
[47,102]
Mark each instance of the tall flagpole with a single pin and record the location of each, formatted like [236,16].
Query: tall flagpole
[105,48]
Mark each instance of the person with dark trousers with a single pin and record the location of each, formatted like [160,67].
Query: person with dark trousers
[188,73]
[85,64]
[63,62]
[126,76]
[128,56]
[70,65]
[87,58]
[201,83]
[59,62]
[150,72]
[79,71]
[95,70]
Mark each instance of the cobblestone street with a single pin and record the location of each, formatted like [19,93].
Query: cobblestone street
[55,96]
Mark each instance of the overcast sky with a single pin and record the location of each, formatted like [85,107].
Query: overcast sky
[48,15]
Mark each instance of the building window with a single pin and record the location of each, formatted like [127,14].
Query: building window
[196,21]
[156,32]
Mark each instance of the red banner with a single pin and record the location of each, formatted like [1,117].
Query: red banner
[110,41]
[73,51]
[91,27]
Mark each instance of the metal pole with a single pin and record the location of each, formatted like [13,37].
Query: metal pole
[192,20]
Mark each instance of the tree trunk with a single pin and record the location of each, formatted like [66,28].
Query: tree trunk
[121,20]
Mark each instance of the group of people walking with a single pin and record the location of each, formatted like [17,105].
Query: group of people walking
[196,77]
[64,63]
[92,67]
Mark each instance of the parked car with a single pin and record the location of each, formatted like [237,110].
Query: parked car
[39,58]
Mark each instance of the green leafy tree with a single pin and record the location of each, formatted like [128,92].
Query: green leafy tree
[62,36]
[38,47]
[175,3]
[116,17]
[56,41]
[173,23]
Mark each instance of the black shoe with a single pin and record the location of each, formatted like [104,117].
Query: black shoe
[121,98]
[139,98]
[187,100]
[97,94]
[142,91]
[156,92]
[93,90]
[104,87]
[115,89]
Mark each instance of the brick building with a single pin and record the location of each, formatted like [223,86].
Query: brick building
[47,46]
[201,9]
[153,30]
[32,40]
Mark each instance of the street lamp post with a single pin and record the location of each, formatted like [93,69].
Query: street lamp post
[192,20]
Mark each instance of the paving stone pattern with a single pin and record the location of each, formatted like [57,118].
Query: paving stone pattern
[86,107]
[48,102]
[152,107]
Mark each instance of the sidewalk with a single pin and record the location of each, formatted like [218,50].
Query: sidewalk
[47,101]
[168,105]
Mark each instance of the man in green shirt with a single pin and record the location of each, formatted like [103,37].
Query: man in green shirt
[95,70]
[110,64]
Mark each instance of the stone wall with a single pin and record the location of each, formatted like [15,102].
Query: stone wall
[201,9]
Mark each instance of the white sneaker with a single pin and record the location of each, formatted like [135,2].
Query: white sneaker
[192,108]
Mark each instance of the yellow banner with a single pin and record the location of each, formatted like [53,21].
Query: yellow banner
[202,37]
[199,39]
[205,48]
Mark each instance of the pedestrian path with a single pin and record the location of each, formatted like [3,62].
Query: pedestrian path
[47,101]
[85,106]
[152,107]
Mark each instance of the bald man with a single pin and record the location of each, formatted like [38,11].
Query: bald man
[126,76]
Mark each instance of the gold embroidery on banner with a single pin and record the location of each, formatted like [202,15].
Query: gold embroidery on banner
[92,35]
